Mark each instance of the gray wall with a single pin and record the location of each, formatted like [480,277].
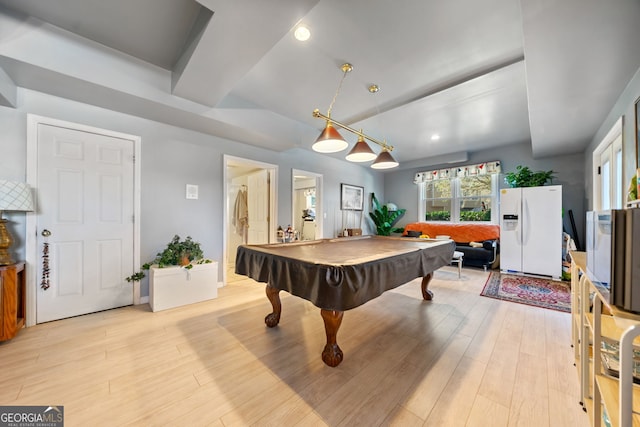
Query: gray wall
[399,187]
[171,158]
[624,106]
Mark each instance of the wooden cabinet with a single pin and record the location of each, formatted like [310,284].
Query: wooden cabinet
[597,324]
[12,299]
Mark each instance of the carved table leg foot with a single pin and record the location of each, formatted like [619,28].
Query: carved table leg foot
[272,319]
[331,355]
[427,295]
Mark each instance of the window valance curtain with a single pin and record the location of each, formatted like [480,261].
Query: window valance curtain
[487,168]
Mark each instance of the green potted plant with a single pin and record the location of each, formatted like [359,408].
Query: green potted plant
[178,252]
[525,177]
[384,219]
[176,277]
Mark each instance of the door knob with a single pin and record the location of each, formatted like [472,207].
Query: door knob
[46,233]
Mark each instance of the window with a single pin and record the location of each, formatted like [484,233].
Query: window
[476,198]
[437,200]
[460,199]
[460,194]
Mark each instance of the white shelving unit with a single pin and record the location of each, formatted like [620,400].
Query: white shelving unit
[633,204]
[595,321]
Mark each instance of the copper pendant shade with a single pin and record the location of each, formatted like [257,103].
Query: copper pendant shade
[329,141]
[361,152]
[384,161]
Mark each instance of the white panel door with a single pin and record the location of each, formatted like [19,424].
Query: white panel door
[258,207]
[542,230]
[85,199]
[511,229]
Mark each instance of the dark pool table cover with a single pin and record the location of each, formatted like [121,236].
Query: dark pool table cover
[341,274]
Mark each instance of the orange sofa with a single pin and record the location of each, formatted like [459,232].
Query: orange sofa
[486,238]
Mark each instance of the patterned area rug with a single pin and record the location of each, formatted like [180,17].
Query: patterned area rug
[529,290]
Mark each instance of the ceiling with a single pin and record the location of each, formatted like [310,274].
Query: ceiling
[478,74]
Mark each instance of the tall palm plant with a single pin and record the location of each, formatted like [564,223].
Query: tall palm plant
[384,219]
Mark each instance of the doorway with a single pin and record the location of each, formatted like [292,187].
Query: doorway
[307,204]
[83,239]
[250,198]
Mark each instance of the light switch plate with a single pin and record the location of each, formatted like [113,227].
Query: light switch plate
[192,191]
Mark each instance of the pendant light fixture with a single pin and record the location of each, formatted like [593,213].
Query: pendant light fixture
[384,160]
[330,140]
[361,152]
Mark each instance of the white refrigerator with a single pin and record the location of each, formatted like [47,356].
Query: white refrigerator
[531,230]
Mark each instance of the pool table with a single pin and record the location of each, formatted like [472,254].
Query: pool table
[340,274]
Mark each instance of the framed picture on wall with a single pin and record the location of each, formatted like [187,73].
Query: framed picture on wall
[351,197]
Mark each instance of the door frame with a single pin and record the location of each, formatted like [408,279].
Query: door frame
[272,170]
[31,247]
[319,197]
[609,141]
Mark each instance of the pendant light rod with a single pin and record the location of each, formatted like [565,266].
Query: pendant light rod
[346,68]
[319,115]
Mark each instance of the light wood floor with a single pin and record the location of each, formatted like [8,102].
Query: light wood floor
[459,360]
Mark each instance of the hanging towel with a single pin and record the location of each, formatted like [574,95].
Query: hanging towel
[241,213]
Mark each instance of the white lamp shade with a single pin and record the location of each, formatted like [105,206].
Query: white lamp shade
[15,196]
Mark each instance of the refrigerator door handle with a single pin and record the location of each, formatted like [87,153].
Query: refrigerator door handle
[518,231]
[525,225]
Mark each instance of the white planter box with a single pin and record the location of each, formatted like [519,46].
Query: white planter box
[171,287]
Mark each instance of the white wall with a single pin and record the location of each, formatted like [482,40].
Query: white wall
[171,158]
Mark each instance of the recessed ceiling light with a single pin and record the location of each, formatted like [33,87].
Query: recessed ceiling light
[302,33]
[435,137]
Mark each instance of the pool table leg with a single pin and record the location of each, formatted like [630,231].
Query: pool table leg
[272,319]
[331,355]
[427,295]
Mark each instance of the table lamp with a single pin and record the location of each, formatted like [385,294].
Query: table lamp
[16,197]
